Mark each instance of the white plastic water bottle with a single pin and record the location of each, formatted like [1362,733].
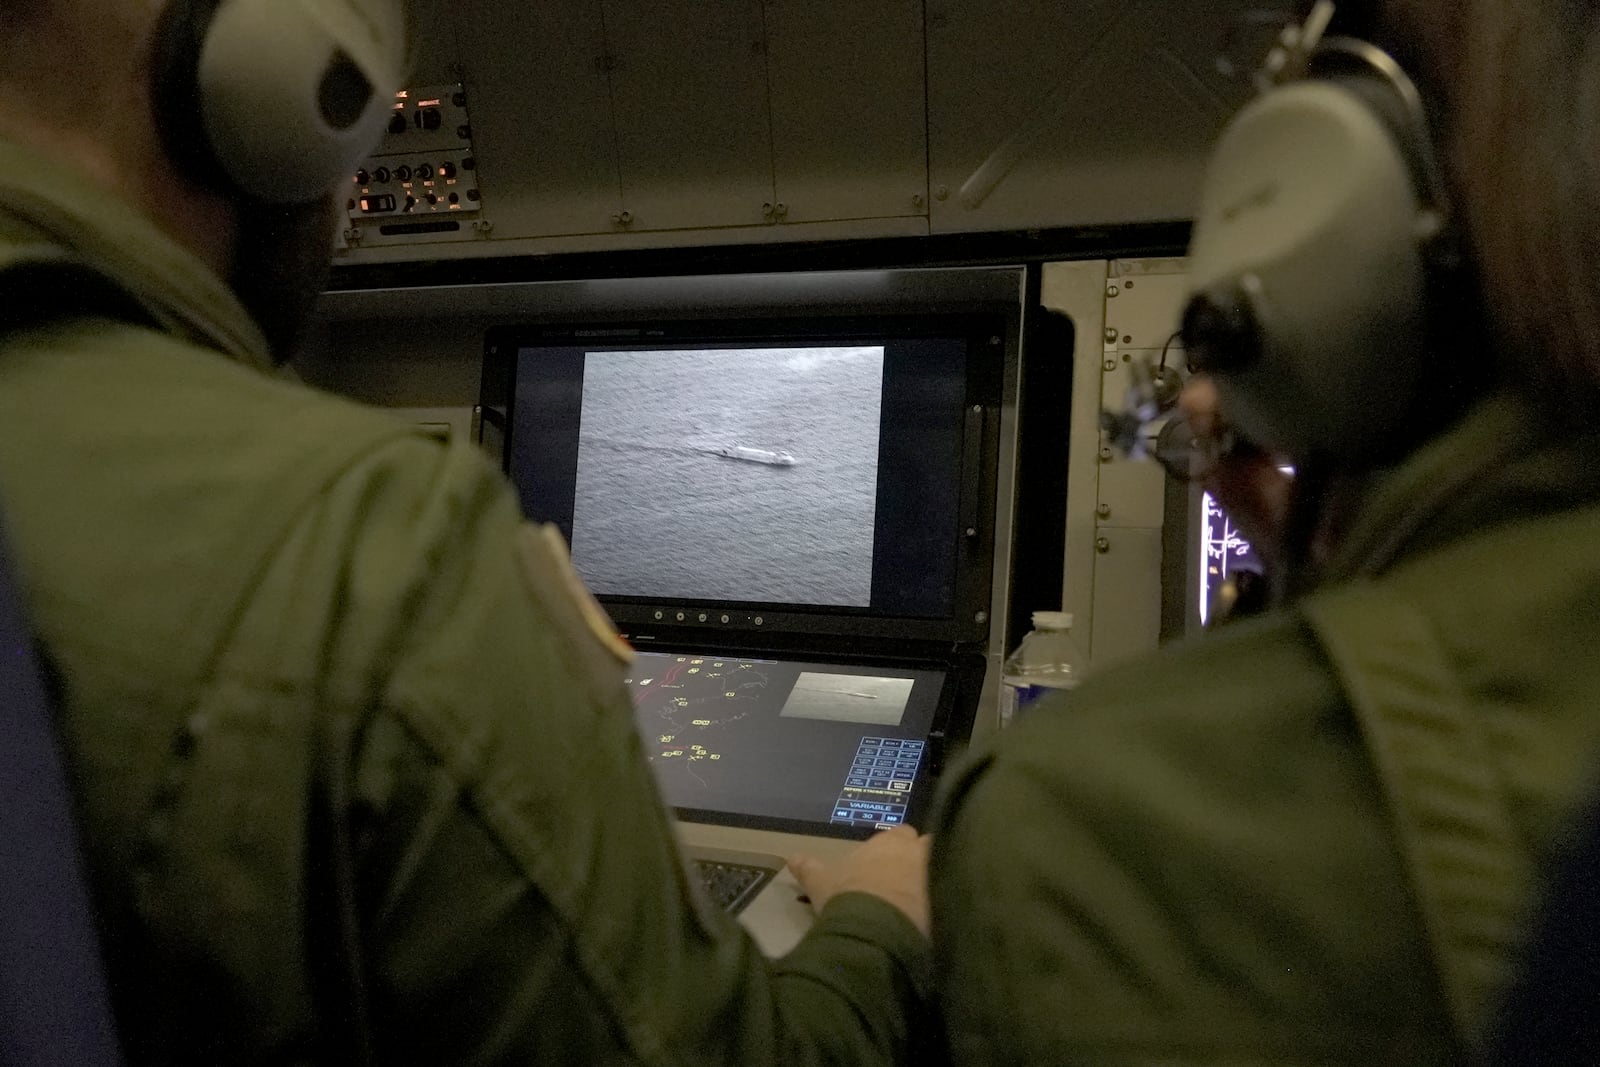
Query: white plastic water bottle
[1048,659]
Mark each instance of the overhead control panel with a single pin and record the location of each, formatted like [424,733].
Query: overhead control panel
[421,183]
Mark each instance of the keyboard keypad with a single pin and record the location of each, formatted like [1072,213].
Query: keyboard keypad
[732,885]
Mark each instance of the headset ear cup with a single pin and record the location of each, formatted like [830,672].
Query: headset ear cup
[1308,233]
[275,100]
[297,92]
[180,35]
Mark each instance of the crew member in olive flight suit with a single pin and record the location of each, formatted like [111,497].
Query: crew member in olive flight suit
[1317,836]
[356,771]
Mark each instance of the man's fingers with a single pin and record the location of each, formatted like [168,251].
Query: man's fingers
[811,873]
[1200,402]
[803,868]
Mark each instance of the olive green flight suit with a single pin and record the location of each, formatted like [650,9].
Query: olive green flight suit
[351,753]
[1311,838]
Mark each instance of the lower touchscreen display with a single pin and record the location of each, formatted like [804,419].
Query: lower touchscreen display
[779,741]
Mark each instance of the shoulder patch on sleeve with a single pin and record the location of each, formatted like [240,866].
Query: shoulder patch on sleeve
[548,568]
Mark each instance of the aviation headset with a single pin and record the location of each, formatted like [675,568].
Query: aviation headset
[276,100]
[1321,255]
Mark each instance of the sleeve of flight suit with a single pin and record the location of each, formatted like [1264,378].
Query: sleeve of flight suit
[1186,862]
[522,897]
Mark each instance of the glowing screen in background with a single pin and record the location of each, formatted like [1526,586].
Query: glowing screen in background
[1223,550]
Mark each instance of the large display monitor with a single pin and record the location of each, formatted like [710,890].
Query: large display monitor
[824,476]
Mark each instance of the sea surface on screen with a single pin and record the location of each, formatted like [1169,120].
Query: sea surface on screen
[738,474]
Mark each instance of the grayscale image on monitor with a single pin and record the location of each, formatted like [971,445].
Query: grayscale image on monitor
[737,474]
[848,698]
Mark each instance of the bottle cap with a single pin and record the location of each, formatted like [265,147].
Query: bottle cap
[1052,620]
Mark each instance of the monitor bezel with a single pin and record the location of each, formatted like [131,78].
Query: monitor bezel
[674,619]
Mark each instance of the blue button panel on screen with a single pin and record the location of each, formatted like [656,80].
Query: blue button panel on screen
[879,783]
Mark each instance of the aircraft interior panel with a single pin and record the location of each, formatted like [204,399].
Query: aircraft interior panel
[599,126]
[848,114]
